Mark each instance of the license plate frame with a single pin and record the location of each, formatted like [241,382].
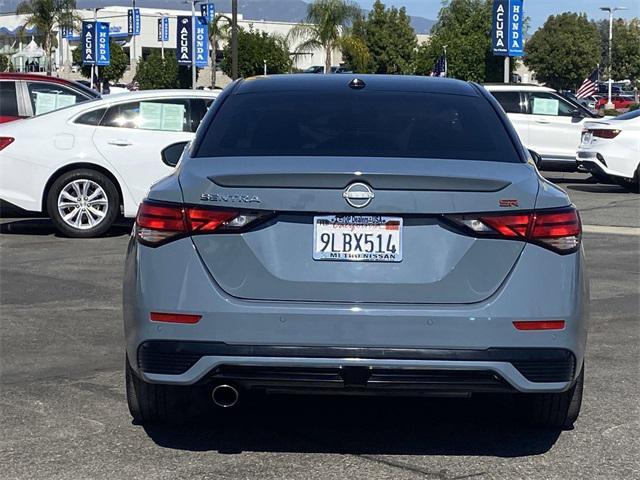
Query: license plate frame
[390,228]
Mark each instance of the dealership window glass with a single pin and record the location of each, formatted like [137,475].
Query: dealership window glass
[91,118]
[510,101]
[358,123]
[46,97]
[546,103]
[8,99]
[167,115]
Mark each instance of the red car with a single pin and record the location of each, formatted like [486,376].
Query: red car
[25,95]
[618,101]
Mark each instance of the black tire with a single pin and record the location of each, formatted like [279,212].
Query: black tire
[554,410]
[151,403]
[97,178]
[631,184]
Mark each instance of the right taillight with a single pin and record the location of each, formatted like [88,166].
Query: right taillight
[559,230]
[158,223]
[5,142]
[604,132]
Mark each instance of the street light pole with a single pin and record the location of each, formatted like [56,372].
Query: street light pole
[611,10]
[193,44]
[94,67]
[234,39]
[132,58]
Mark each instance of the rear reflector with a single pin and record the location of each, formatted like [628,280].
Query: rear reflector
[174,317]
[559,230]
[5,142]
[539,325]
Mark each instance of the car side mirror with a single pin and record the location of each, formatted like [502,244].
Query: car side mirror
[537,159]
[171,154]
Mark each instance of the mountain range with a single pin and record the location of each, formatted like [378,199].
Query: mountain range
[274,10]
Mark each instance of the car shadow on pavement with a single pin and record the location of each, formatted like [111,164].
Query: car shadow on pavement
[44,226]
[483,425]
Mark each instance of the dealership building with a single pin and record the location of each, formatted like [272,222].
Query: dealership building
[26,53]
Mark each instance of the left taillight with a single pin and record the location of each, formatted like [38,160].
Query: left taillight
[5,142]
[558,230]
[158,223]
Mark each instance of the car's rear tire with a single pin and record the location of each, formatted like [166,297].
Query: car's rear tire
[631,184]
[83,203]
[553,410]
[151,403]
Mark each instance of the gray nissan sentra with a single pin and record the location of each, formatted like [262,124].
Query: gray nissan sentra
[347,234]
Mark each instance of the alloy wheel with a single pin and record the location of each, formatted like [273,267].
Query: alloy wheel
[82,204]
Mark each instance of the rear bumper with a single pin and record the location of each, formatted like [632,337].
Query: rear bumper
[473,339]
[346,369]
[602,162]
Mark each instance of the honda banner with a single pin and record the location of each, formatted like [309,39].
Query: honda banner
[201,48]
[103,55]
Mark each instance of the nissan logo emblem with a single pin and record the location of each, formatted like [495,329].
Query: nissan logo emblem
[358,195]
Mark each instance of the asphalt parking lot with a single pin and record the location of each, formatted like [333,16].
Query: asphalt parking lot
[64,415]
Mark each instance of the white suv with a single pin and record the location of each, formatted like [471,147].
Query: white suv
[546,122]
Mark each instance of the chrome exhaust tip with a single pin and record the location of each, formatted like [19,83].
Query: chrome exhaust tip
[225,396]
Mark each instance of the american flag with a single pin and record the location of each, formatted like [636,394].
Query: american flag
[440,69]
[589,86]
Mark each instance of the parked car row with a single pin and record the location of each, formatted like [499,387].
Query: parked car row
[95,158]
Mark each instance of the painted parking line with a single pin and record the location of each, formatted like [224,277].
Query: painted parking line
[611,230]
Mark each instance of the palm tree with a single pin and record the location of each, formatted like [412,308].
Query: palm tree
[324,26]
[217,32]
[46,16]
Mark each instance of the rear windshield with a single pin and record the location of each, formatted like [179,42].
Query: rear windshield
[629,115]
[358,123]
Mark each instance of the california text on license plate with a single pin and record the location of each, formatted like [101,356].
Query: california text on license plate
[357,238]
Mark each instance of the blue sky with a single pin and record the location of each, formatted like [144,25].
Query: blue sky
[538,10]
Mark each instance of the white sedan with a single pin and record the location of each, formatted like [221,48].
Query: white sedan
[87,163]
[611,148]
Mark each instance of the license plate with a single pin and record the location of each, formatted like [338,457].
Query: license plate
[357,238]
[586,138]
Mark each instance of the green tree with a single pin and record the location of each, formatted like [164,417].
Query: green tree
[154,72]
[389,39]
[254,48]
[4,63]
[464,26]
[564,50]
[118,63]
[625,53]
[46,16]
[355,54]
[218,31]
[325,26]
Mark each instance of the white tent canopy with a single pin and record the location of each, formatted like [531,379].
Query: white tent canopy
[29,53]
[32,50]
